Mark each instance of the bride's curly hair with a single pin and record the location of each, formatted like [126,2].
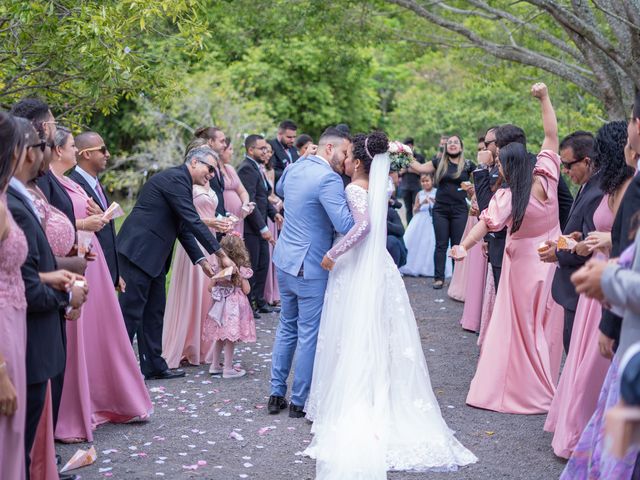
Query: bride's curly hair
[367,146]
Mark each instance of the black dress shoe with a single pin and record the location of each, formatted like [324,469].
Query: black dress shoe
[68,476]
[256,315]
[265,309]
[166,375]
[295,411]
[276,404]
[58,459]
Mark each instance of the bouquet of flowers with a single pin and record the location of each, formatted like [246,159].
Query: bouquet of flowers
[400,154]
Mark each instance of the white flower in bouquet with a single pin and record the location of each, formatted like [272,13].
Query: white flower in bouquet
[401,155]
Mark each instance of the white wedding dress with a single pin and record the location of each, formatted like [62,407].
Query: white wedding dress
[371,401]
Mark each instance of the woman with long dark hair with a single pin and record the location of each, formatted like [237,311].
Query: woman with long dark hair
[13,312]
[520,357]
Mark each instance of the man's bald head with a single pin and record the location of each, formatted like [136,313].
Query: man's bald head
[93,154]
[88,140]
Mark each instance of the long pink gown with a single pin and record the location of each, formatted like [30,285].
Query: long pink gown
[188,300]
[61,235]
[520,357]
[476,273]
[488,301]
[458,285]
[232,201]
[13,345]
[271,289]
[102,381]
[584,369]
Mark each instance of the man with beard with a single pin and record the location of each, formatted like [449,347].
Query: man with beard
[284,152]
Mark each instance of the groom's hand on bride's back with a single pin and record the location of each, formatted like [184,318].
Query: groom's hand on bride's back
[327,263]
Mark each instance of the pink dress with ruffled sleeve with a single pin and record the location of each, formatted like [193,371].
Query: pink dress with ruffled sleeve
[520,357]
[13,345]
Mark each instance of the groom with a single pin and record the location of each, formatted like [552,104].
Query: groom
[316,206]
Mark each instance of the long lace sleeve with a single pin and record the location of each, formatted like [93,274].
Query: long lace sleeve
[357,198]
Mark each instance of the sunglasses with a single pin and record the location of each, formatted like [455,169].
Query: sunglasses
[209,166]
[102,149]
[42,145]
[568,165]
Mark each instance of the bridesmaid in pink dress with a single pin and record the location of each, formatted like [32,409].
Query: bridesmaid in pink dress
[188,298]
[520,358]
[459,279]
[102,380]
[13,342]
[585,368]
[271,290]
[235,195]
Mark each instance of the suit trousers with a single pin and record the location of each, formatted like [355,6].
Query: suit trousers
[409,197]
[36,395]
[258,249]
[301,302]
[448,223]
[569,317]
[142,306]
[496,253]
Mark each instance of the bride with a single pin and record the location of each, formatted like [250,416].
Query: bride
[371,400]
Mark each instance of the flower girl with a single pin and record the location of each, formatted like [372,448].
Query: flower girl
[230,319]
[420,238]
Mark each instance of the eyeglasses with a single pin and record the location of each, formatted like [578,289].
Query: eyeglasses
[102,149]
[487,143]
[52,122]
[211,167]
[42,145]
[453,142]
[568,165]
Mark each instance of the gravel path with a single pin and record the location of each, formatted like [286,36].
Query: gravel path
[218,429]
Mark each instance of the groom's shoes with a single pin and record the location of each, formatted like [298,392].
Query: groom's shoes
[276,404]
[166,375]
[295,411]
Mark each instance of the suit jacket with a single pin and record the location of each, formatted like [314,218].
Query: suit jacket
[620,240]
[316,205]
[280,159]
[259,190]
[217,185]
[163,212]
[580,220]
[565,202]
[106,236]
[57,195]
[45,322]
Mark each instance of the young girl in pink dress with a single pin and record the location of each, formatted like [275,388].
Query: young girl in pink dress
[585,368]
[230,319]
[520,357]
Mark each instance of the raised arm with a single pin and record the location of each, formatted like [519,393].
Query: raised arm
[549,120]
[417,167]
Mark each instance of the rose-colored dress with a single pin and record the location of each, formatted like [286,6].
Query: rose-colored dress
[232,201]
[520,357]
[458,286]
[488,301]
[13,345]
[584,369]
[230,316]
[188,299]
[102,381]
[271,289]
[476,273]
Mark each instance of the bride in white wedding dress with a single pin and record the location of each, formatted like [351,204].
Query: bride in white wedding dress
[371,401]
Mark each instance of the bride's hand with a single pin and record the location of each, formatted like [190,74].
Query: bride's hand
[327,263]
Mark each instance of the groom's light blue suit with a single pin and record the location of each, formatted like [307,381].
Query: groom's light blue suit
[315,206]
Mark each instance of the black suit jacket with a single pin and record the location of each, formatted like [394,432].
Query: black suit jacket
[106,236]
[217,185]
[45,306]
[565,202]
[280,159]
[580,220]
[57,195]
[254,183]
[163,212]
[620,240]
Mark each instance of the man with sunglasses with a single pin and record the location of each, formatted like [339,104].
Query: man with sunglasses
[576,153]
[256,233]
[92,158]
[163,212]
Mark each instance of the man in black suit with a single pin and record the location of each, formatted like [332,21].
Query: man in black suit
[217,141]
[395,233]
[576,153]
[256,233]
[164,210]
[92,158]
[284,152]
[410,183]
[45,353]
